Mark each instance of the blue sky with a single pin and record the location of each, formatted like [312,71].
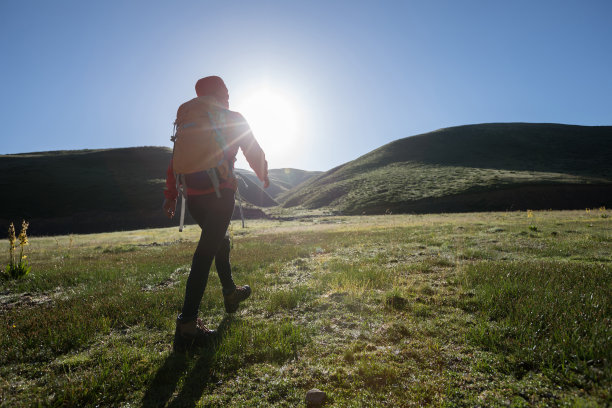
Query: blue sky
[83,74]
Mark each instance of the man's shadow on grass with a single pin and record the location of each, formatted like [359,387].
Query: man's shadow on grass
[167,377]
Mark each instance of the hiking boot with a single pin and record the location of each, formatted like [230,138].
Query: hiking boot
[233,299]
[192,334]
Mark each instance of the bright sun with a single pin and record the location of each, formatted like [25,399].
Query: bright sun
[272,118]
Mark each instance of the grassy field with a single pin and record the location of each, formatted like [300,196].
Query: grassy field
[487,309]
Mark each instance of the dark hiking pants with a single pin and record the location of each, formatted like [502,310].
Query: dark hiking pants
[213,215]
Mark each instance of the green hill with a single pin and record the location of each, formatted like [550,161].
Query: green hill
[465,168]
[85,191]
[498,166]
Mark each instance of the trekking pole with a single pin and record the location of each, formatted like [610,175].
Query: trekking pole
[180,183]
[183,191]
[239,177]
[182,214]
[240,205]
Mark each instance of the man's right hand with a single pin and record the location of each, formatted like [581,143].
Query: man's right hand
[266,182]
[169,207]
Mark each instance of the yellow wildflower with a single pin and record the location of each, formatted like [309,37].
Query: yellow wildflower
[529,214]
[11,235]
[23,236]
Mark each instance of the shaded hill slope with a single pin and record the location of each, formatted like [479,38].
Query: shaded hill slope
[93,190]
[456,169]
[64,182]
[85,190]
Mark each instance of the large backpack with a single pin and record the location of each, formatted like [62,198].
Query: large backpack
[199,142]
[200,146]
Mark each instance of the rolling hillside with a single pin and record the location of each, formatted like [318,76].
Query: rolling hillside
[85,191]
[504,166]
[498,166]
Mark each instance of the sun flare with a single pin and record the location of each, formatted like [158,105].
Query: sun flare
[272,117]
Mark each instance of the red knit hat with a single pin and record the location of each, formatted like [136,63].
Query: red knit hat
[209,85]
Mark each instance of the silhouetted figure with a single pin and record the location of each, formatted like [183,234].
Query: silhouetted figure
[210,199]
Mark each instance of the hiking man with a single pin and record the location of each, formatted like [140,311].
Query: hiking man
[210,202]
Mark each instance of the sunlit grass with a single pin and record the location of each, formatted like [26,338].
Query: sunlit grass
[463,310]
[286,299]
[554,315]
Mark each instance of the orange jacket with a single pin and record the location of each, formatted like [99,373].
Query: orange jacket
[238,134]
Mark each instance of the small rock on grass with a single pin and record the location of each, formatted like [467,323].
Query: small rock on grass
[315,398]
